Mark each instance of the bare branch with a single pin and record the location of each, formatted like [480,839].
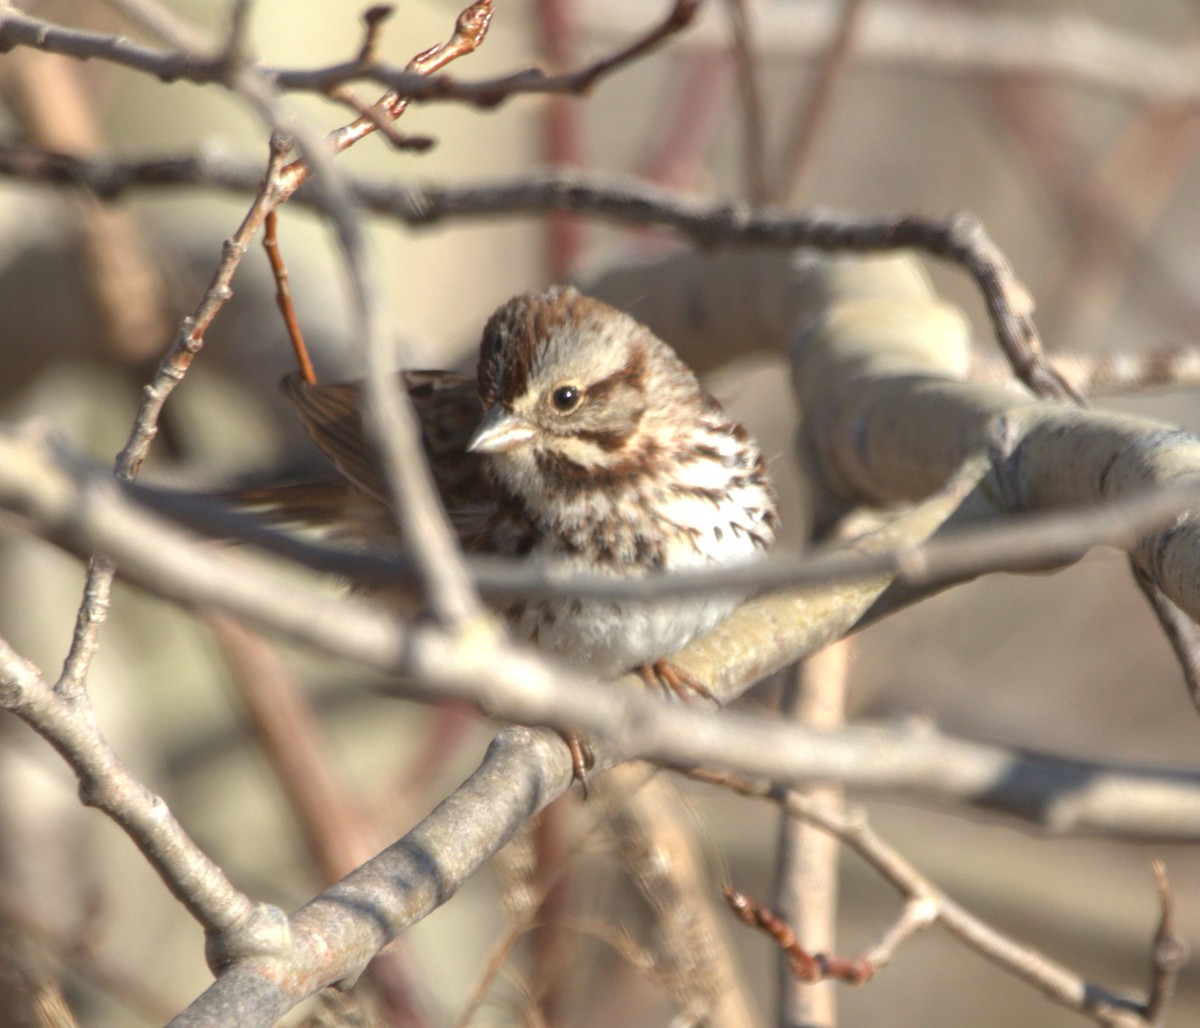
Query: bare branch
[389,417]
[524,770]
[745,59]
[190,339]
[283,297]
[927,904]
[966,42]
[20,29]
[1112,373]
[810,119]
[765,635]
[234,925]
[1171,952]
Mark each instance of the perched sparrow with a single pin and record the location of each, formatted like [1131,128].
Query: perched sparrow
[584,441]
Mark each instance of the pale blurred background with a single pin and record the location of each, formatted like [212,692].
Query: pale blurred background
[1094,195]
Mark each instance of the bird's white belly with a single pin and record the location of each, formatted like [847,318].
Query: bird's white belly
[608,638]
[611,637]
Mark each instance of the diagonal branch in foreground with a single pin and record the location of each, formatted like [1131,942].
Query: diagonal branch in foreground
[233,924]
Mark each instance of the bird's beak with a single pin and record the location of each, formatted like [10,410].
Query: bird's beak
[500,431]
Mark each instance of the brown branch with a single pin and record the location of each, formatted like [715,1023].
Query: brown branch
[1113,373]
[676,153]
[810,120]
[20,29]
[330,819]
[681,15]
[1170,955]
[966,42]
[928,904]
[283,297]
[745,58]
[960,238]
[806,967]
[562,135]
[380,120]
[470,29]
[51,100]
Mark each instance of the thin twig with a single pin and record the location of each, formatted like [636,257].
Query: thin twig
[470,29]
[283,297]
[929,903]
[389,416]
[960,238]
[380,120]
[373,21]
[811,967]
[810,120]
[1178,627]
[93,611]
[905,35]
[1112,373]
[1170,953]
[745,58]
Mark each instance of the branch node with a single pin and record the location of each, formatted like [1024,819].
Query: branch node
[264,932]
[1170,952]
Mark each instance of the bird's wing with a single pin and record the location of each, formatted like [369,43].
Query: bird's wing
[447,407]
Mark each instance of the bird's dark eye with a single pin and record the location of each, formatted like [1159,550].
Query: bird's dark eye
[565,398]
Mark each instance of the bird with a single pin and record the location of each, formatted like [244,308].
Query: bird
[583,442]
